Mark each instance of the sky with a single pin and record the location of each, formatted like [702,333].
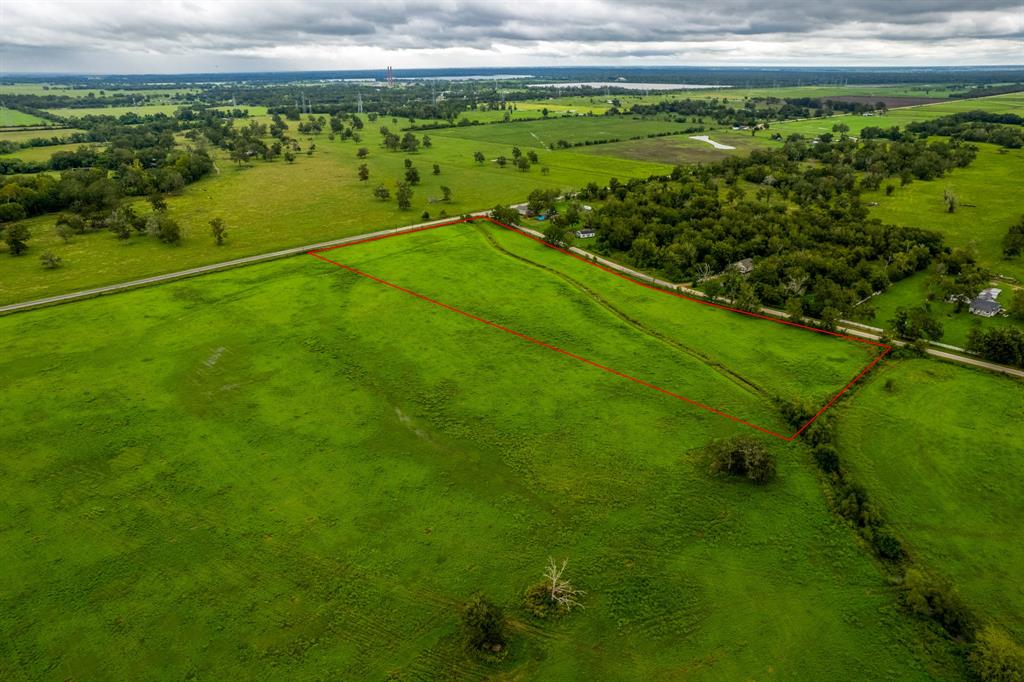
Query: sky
[188,36]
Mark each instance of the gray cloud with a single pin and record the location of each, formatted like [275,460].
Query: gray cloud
[174,36]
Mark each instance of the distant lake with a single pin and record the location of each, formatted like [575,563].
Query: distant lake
[628,86]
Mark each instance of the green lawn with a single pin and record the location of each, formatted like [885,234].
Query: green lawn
[912,292]
[941,452]
[274,205]
[288,471]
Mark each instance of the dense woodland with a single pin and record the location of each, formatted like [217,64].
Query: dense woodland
[796,212]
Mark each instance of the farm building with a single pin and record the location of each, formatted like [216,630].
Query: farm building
[585,233]
[743,266]
[985,304]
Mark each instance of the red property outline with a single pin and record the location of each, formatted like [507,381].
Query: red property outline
[317,253]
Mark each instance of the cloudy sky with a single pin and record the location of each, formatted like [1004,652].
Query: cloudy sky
[142,36]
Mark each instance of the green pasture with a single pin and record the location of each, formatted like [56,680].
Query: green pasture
[141,110]
[13,118]
[939,449]
[989,196]
[544,134]
[761,360]
[274,205]
[42,153]
[681,149]
[288,471]
[19,136]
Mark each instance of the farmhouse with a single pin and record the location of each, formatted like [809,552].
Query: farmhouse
[743,266]
[985,304]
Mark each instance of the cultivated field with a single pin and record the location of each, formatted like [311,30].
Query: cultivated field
[292,471]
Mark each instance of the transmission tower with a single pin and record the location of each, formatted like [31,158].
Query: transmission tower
[391,77]
[359,104]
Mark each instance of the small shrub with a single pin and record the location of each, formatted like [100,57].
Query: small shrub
[483,625]
[743,457]
[929,598]
[886,545]
[996,657]
[827,458]
[50,260]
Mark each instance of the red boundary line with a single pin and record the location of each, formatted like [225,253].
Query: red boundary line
[885,348]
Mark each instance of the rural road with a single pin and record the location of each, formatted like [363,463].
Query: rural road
[205,269]
[853,331]
[299,250]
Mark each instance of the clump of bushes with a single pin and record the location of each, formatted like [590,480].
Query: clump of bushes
[996,657]
[483,625]
[928,597]
[745,457]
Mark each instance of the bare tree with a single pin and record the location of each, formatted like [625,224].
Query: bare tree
[703,272]
[562,591]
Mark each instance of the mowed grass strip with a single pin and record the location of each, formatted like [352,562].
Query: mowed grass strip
[726,360]
[287,473]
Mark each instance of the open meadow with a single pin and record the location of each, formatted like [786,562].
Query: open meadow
[321,196]
[546,134]
[940,449]
[289,470]
[988,193]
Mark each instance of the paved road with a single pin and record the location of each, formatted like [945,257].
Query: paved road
[204,269]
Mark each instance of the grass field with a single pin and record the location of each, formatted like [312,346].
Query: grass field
[42,153]
[25,135]
[941,453]
[13,117]
[989,194]
[575,129]
[289,471]
[680,149]
[1011,103]
[142,110]
[274,205]
[763,358]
